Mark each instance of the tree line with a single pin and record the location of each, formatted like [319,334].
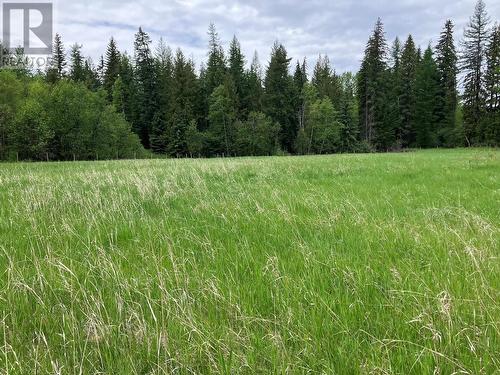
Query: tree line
[156,101]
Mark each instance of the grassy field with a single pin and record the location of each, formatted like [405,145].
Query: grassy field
[370,264]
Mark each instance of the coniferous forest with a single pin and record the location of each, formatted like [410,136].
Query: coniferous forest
[158,102]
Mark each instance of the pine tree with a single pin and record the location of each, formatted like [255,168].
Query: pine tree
[278,96]
[77,69]
[409,63]
[57,65]
[426,95]
[446,59]
[473,61]
[111,67]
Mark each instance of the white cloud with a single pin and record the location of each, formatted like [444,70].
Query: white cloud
[307,28]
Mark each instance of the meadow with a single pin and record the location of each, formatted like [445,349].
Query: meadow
[344,264]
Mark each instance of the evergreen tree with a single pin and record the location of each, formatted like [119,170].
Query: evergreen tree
[254,92]
[473,61]
[426,94]
[100,70]
[299,80]
[4,55]
[216,66]
[326,81]
[447,100]
[348,115]
[300,75]
[305,134]
[129,92]
[194,139]
[164,74]
[492,79]
[111,67]
[57,65]
[278,96]
[395,88]
[77,69]
[91,76]
[119,96]
[373,92]
[237,73]
[409,63]
[491,125]
[146,86]
[202,97]
[184,94]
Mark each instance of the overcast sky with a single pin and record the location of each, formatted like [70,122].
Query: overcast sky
[307,28]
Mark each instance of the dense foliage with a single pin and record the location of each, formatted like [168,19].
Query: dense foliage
[61,121]
[401,98]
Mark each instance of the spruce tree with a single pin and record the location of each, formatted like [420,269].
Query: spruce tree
[111,67]
[278,96]
[325,80]
[184,94]
[409,63]
[77,69]
[395,91]
[299,80]
[164,73]
[447,100]
[373,92]
[237,73]
[426,94]
[129,93]
[146,86]
[57,65]
[91,76]
[492,78]
[491,125]
[100,70]
[473,59]
[348,114]
[253,83]
[216,65]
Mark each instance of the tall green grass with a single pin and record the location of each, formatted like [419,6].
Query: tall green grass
[369,264]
